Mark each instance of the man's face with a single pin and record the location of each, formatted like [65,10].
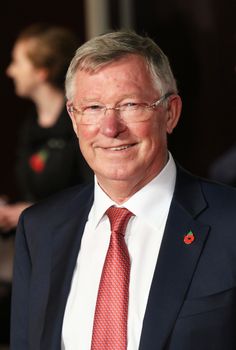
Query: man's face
[118,151]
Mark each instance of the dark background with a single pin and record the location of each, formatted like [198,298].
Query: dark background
[197,35]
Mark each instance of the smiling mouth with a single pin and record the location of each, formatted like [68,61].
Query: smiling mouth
[119,148]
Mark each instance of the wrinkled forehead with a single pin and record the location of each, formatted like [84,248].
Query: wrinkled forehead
[127,76]
[134,65]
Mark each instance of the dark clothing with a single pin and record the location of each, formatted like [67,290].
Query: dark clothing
[191,304]
[49,159]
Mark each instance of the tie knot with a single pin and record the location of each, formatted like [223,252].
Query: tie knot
[119,218]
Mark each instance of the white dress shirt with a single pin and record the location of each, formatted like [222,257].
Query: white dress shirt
[143,237]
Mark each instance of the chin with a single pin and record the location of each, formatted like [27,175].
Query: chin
[118,175]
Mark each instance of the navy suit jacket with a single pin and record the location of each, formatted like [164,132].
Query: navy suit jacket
[191,304]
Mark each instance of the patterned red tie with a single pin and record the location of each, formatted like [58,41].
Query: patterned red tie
[111,314]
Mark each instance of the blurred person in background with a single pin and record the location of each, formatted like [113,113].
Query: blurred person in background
[48,156]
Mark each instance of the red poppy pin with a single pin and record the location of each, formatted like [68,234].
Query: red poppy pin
[38,160]
[189,237]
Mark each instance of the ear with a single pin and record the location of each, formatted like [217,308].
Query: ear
[173,112]
[72,116]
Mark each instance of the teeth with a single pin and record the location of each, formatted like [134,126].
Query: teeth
[119,148]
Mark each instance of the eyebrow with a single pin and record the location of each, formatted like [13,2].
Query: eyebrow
[98,99]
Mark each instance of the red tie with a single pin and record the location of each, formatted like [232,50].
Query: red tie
[111,314]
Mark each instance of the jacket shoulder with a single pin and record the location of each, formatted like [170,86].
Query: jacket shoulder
[213,194]
[61,203]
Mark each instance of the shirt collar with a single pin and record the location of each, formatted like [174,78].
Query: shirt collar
[155,197]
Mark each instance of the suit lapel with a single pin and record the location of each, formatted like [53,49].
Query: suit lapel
[65,247]
[176,263]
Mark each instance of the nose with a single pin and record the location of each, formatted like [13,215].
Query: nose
[112,125]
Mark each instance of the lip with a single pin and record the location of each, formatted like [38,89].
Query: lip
[118,148]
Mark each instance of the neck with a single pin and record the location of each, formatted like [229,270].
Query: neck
[121,190]
[49,103]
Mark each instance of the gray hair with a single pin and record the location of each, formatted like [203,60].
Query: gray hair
[106,48]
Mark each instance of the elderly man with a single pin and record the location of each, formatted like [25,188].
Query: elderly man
[144,258]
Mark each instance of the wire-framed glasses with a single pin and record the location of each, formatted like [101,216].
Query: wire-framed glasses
[129,112]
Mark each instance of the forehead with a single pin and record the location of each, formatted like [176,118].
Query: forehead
[21,48]
[129,73]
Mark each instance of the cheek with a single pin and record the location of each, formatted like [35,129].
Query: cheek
[147,132]
[140,130]
[153,137]
[86,133]
[86,136]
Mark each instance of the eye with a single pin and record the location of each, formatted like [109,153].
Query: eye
[129,106]
[94,108]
